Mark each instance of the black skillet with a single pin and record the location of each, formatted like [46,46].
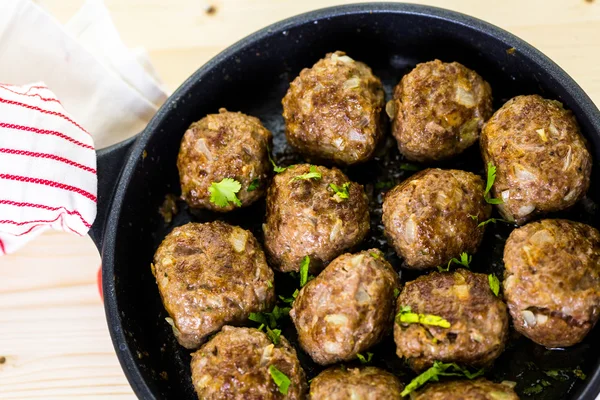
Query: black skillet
[252,76]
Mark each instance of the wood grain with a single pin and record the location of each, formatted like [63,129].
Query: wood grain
[52,328]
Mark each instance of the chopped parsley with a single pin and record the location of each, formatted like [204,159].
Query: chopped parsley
[269,284]
[558,374]
[255,184]
[396,292]
[465,260]
[409,167]
[280,379]
[384,185]
[579,373]
[406,316]
[290,300]
[224,192]
[439,369]
[535,389]
[494,284]
[341,192]
[491,177]
[276,168]
[374,255]
[493,221]
[313,174]
[304,277]
[270,319]
[274,335]
[443,269]
[363,359]
[473,217]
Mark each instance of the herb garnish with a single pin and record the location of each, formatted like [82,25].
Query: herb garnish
[224,192]
[274,334]
[280,379]
[276,168]
[465,260]
[494,284]
[304,277]
[341,192]
[406,316]
[270,318]
[439,369]
[290,300]
[396,292]
[493,221]
[491,177]
[313,174]
[363,359]
[384,185]
[255,184]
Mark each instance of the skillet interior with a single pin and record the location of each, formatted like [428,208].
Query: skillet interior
[252,77]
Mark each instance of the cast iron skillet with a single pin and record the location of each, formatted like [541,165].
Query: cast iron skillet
[252,76]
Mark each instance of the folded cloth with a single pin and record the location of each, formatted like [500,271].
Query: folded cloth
[47,158]
[47,167]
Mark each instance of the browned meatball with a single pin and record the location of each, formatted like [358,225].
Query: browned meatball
[433,216]
[305,217]
[209,275]
[367,383]
[552,280]
[478,321]
[438,110]
[224,145]
[235,365]
[479,389]
[333,110]
[542,163]
[348,308]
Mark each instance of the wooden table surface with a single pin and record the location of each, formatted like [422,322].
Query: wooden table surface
[54,342]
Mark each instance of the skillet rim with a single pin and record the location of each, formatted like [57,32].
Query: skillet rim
[128,361]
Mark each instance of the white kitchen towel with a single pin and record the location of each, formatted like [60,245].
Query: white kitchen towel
[47,167]
[95,90]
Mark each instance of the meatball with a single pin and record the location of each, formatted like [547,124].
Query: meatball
[478,320]
[209,275]
[433,216]
[367,383]
[333,110]
[348,308]
[237,363]
[307,217]
[438,110]
[552,280]
[479,389]
[219,146]
[541,159]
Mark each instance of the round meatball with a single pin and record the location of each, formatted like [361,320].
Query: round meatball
[225,145]
[209,275]
[479,389]
[333,110]
[438,110]
[552,280]
[433,216]
[306,216]
[478,320]
[239,363]
[541,159]
[348,308]
[366,383]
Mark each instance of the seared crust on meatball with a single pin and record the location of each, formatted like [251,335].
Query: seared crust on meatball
[235,364]
[305,217]
[433,216]
[478,321]
[366,383]
[225,145]
[479,389]
[438,110]
[209,275]
[541,159]
[348,308]
[333,110]
[552,280]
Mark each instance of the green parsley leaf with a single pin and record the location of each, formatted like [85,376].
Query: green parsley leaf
[269,284]
[290,300]
[406,316]
[579,373]
[341,192]
[396,292]
[275,167]
[374,255]
[274,335]
[363,359]
[465,260]
[313,174]
[473,217]
[444,269]
[270,318]
[384,185]
[222,193]
[255,184]
[492,220]
[494,284]
[258,317]
[439,369]
[535,389]
[558,374]
[409,167]
[280,379]
[491,177]
[304,277]
[261,327]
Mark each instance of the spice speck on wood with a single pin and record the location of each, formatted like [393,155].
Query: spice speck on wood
[2,359]
[210,10]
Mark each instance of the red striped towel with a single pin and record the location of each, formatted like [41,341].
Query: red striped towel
[47,167]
